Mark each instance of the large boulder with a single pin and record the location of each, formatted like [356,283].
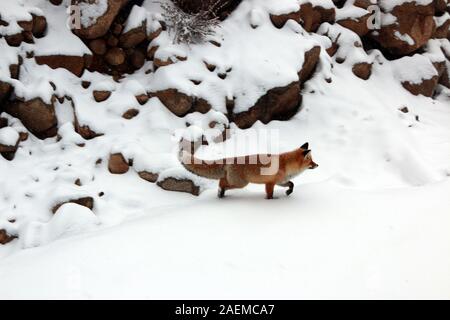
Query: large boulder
[100,25]
[279,103]
[424,79]
[413,25]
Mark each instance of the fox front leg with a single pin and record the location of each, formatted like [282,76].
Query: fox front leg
[289,185]
[223,185]
[269,190]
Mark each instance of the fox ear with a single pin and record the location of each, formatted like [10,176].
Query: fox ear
[306,153]
[305,146]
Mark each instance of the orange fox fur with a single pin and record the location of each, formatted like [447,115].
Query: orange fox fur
[237,173]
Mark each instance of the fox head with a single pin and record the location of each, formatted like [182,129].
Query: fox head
[308,162]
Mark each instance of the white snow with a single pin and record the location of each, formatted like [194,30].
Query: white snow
[14,11]
[8,136]
[354,244]
[423,69]
[137,18]
[91,12]
[405,38]
[69,219]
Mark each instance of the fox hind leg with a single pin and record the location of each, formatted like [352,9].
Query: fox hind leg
[289,185]
[269,190]
[225,184]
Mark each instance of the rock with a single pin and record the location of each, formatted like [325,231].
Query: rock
[426,87]
[200,105]
[179,103]
[362,70]
[333,49]
[142,99]
[158,63]
[137,59]
[85,84]
[5,237]
[155,34]
[359,26]
[440,6]
[86,132]
[87,202]
[23,136]
[101,95]
[9,142]
[74,64]
[280,20]
[98,46]
[5,90]
[313,16]
[404,109]
[279,103]
[443,68]
[151,52]
[26,25]
[183,185]
[309,16]
[130,114]
[363,4]
[117,164]
[103,23]
[148,176]
[414,22]
[117,29]
[112,41]
[133,37]
[115,56]
[14,40]
[37,116]
[309,65]
[39,26]
[443,29]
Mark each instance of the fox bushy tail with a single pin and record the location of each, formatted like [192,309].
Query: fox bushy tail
[201,168]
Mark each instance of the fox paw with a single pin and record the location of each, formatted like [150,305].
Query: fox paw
[289,192]
[221,193]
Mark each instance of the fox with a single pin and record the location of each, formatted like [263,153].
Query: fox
[267,169]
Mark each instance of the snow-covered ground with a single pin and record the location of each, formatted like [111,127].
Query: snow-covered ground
[325,241]
[373,221]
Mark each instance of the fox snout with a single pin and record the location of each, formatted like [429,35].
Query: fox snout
[313,165]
